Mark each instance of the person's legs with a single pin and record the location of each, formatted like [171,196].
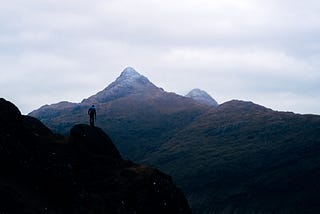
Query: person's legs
[91,121]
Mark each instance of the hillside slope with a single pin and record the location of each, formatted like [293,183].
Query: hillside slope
[245,158]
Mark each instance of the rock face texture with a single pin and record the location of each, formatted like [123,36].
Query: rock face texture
[42,172]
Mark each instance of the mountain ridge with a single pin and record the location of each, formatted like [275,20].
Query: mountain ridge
[232,158]
[241,158]
[129,88]
[130,82]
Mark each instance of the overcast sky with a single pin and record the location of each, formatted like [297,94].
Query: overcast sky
[267,51]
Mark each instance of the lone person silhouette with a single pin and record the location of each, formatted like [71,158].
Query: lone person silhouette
[92,113]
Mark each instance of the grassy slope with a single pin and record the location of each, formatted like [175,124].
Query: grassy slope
[243,158]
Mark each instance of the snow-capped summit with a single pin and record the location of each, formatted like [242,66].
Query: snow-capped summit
[129,82]
[202,97]
[130,76]
[130,73]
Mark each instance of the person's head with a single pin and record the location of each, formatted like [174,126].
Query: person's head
[92,106]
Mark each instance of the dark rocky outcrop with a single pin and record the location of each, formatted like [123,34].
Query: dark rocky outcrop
[93,140]
[42,172]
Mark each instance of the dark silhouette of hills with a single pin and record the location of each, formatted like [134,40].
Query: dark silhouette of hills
[42,172]
[238,157]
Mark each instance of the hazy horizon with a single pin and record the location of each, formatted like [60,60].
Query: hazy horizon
[266,52]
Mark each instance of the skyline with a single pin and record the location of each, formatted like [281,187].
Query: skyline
[267,52]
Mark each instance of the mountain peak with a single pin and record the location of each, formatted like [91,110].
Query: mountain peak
[129,76]
[130,72]
[129,82]
[202,97]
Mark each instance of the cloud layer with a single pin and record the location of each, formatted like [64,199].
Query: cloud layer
[264,51]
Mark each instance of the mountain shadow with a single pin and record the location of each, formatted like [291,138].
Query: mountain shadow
[42,172]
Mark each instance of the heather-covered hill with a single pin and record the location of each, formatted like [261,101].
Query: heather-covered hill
[84,173]
[245,158]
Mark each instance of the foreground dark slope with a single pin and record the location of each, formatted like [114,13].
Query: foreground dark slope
[84,173]
[244,158]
